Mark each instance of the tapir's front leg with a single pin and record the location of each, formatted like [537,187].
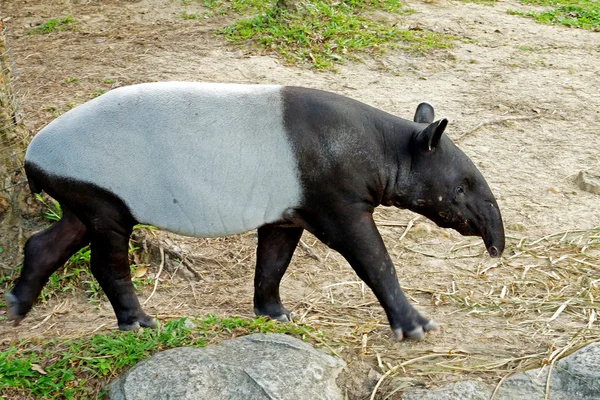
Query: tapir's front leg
[356,237]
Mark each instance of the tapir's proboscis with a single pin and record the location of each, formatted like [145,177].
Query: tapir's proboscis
[208,160]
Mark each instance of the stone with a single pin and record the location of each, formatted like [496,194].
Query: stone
[465,390]
[254,367]
[576,377]
[580,373]
[588,182]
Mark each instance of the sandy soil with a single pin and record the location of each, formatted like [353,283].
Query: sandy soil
[501,67]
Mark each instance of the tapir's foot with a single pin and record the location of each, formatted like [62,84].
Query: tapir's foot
[16,310]
[417,333]
[143,321]
[277,312]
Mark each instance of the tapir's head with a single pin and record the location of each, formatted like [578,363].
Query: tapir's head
[445,186]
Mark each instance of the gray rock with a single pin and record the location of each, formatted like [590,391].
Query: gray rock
[466,390]
[530,385]
[576,377]
[588,182]
[250,368]
[579,373]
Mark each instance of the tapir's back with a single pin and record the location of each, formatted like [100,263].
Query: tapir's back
[194,158]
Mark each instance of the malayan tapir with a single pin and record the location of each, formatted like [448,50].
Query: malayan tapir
[206,159]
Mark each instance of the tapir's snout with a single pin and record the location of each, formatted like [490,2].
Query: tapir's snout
[484,221]
[492,230]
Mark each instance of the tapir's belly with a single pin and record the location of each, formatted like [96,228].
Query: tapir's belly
[197,159]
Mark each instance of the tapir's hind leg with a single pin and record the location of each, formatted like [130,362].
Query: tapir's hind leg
[276,246]
[110,266]
[45,252]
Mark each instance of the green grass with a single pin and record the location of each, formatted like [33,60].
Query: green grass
[323,33]
[223,7]
[97,92]
[186,15]
[584,14]
[79,368]
[53,25]
[69,81]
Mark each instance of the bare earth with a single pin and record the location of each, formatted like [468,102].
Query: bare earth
[502,66]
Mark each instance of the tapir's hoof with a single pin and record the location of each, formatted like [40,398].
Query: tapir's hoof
[418,333]
[13,313]
[289,317]
[145,321]
[282,316]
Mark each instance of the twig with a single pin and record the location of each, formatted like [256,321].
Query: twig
[549,377]
[390,223]
[559,310]
[160,268]
[99,327]
[309,251]
[394,369]
[564,233]
[496,264]
[43,321]
[497,388]
[193,291]
[408,226]
[310,307]
[496,121]
[318,339]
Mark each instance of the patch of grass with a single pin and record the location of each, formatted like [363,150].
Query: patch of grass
[323,33]
[223,7]
[53,25]
[97,92]
[52,109]
[584,14]
[526,48]
[78,369]
[69,80]
[186,15]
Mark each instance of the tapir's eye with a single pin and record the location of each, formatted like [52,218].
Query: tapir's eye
[460,190]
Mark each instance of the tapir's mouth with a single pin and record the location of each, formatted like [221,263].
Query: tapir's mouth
[494,243]
[493,251]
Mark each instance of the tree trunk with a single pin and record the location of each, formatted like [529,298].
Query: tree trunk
[13,142]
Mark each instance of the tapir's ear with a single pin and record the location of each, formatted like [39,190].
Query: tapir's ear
[424,113]
[430,136]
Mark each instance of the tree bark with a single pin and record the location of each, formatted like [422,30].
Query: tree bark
[14,194]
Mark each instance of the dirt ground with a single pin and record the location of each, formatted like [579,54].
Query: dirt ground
[501,67]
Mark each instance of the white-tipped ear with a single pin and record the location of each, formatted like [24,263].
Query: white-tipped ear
[430,137]
[425,113]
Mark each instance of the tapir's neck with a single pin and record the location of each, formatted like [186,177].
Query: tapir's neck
[349,147]
[397,134]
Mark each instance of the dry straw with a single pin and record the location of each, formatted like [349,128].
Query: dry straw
[544,289]
[534,306]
